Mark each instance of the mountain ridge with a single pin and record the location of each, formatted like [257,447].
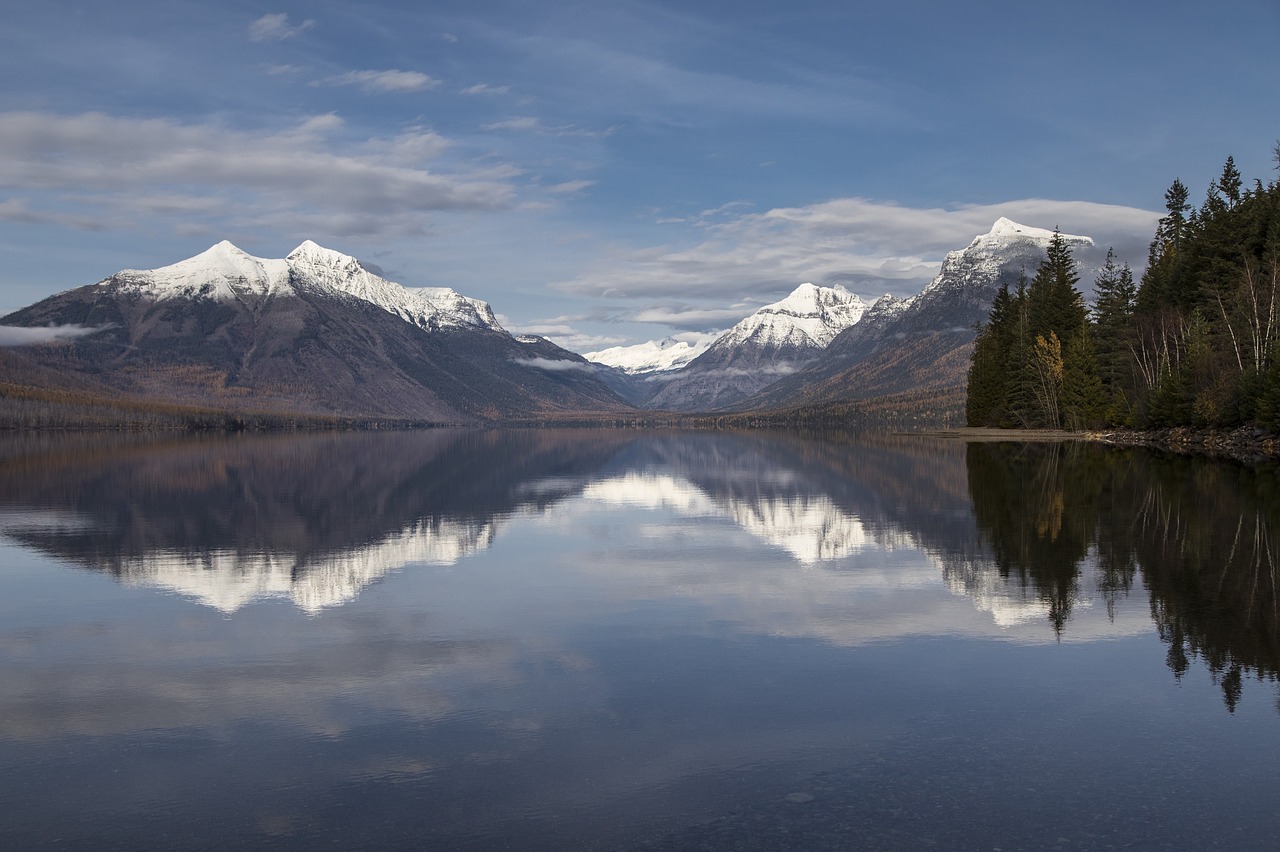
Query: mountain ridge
[318,333]
[315,333]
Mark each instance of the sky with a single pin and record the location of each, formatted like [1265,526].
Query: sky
[606,173]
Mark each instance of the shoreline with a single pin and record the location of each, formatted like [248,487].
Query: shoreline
[1245,444]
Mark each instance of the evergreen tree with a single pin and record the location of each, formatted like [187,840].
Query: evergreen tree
[1084,402]
[1020,403]
[1161,279]
[988,376]
[1114,297]
[1197,343]
[1229,182]
[1173,225]
[1054,305]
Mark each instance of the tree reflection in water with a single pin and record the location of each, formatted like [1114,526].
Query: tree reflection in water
[1201,531]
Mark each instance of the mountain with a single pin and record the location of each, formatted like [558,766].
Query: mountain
[313,333]
[774,341]
[921,346]
[650,357]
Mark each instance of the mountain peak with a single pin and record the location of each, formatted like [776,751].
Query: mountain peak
[1006,230]
[808,318]
[808,298]
[219,254]
[316,253]
[651,357]
[220,272]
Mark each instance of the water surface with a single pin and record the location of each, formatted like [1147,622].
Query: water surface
[616,639]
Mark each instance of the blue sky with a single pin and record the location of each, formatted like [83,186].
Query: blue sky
[606,172]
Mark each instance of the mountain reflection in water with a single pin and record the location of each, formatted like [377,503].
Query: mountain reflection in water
[693,607]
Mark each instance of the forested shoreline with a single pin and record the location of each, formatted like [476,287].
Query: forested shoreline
[1194,343]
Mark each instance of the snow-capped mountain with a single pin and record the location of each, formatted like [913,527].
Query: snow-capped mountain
[809,318]
[649,357]
[425,307]
[225,273]
[315,332]
[923,343]
[774,341]
[970,277]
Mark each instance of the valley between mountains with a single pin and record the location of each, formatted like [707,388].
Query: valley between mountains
[317,337]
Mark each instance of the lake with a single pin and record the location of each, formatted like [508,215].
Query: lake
[619,639]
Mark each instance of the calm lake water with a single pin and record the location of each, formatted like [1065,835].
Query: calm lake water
[628,640]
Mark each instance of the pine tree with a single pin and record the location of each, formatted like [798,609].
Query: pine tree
[1084,402]
[1173,226]
[988,377]
[1054,305]
[1229,182]
[1020,404]
[1161,279]
[1114,297]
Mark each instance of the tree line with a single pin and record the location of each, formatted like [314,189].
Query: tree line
[1195,342]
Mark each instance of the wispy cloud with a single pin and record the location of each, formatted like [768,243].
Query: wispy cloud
[694,318]
[645,78]
[564,331]
[570,187]
[108,168]
[486,89]
[12,335]
[276,27]
[555,365]
[526,122]
[533,124]
[871,247]
[391,80]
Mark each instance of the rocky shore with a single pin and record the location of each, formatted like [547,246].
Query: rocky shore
[1246,444]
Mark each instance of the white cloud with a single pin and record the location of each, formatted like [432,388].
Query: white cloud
[686,316]
[109,168]
[563,331]
[486,89]
[11,335]
[870,247]
[524,122]
[533,124]
[555,365]
[275,27]
[391,80]
[570,187]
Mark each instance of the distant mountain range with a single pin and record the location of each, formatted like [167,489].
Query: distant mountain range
[318,333]
[824,345]
[313,333]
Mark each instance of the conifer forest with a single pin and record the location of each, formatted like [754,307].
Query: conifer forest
[1195,342]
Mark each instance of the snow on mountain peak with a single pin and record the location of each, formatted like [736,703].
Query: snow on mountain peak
[809,317]
[1007,245]
[225,273]
[426,307]
[222,272]
[312,253]
[1006,230]
[650,357]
